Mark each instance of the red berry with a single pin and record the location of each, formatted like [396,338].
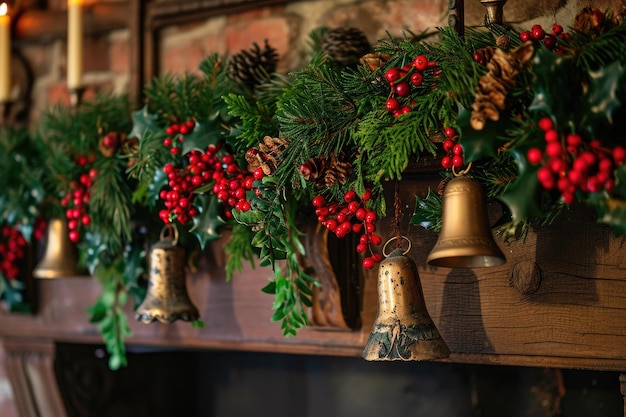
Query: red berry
[392,104]
[551,136]
[537,33]
[457,149]
[458,161]
[319,201]
[172,129]
[574,139]
[368,263]
[450,133]
[554,150]
[417,78]
[370,217]
[361,247]
[545,124]
[403,89]
[376,240]
[184,129]
[258,174]
[74,236]
[85,220]
[420,62]
[392,75]
[619,155]
[478,56]
[549,42]
[366,195]
[446,162]
[534,156]
[557,29]
[525,36]
[448,144]
[546,178]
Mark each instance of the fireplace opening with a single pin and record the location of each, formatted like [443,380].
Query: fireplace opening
[160,383]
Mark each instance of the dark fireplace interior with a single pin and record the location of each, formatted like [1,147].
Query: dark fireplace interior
[159,383]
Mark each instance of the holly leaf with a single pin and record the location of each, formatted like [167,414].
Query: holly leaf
[548,89]
[478,144]
[601,97]
[427,211]
[610,211]
[521,195]
[206,225]
[620,180]
[203,134]
[143,121]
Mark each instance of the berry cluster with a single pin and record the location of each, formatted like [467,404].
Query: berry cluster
[75,203]
[230,183]
[351,216]
[454,157]
[538,34]
[402,80]
[175,135]
[570,164]
[12,251]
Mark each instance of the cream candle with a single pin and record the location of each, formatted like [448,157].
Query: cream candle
[5,53]
[74,44]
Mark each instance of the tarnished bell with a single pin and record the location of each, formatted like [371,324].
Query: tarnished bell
[59,259]
[403,329]
[167,299]
[465,240]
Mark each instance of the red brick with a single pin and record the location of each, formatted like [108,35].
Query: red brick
[119,55]
[274,28]
[182,57]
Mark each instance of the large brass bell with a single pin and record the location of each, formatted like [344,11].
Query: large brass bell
[59,259]
[167,299]
[465,239]
[403,329]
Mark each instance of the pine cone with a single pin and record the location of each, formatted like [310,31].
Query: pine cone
[374,60]
[337,172]
[265,156]
[503,41]
[252,67]
[345,45]
[494,86]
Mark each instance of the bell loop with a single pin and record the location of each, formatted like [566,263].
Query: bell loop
[395,239]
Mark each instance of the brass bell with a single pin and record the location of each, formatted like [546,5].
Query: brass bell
[465,239]
[167,299]
[403,329]
[60,259]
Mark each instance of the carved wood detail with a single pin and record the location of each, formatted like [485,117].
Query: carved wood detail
[30,367]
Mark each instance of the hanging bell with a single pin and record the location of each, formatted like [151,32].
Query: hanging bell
[167,299]
[59,259]
[465,239]
[403,329]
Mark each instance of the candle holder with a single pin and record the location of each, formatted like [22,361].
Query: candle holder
[493,10]
[6,116]
[76,96]
[14,111]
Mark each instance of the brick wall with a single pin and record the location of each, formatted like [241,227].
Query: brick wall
[286,27]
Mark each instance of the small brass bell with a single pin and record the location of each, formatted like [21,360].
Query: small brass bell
[59,259]
[167,299]
[403,329]
[465,239]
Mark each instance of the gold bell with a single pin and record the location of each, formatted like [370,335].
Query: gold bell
[60,259]
[403,329]
[167,299]
[465,240]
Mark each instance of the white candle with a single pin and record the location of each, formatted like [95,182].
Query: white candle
[74,44]
[5,53]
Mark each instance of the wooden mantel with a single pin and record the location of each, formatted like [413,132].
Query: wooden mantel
[559,301]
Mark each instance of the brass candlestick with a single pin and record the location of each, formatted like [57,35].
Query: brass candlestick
[76,96]
[494,11]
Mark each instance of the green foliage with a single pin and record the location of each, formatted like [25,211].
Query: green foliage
[21,182]
[107,312]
